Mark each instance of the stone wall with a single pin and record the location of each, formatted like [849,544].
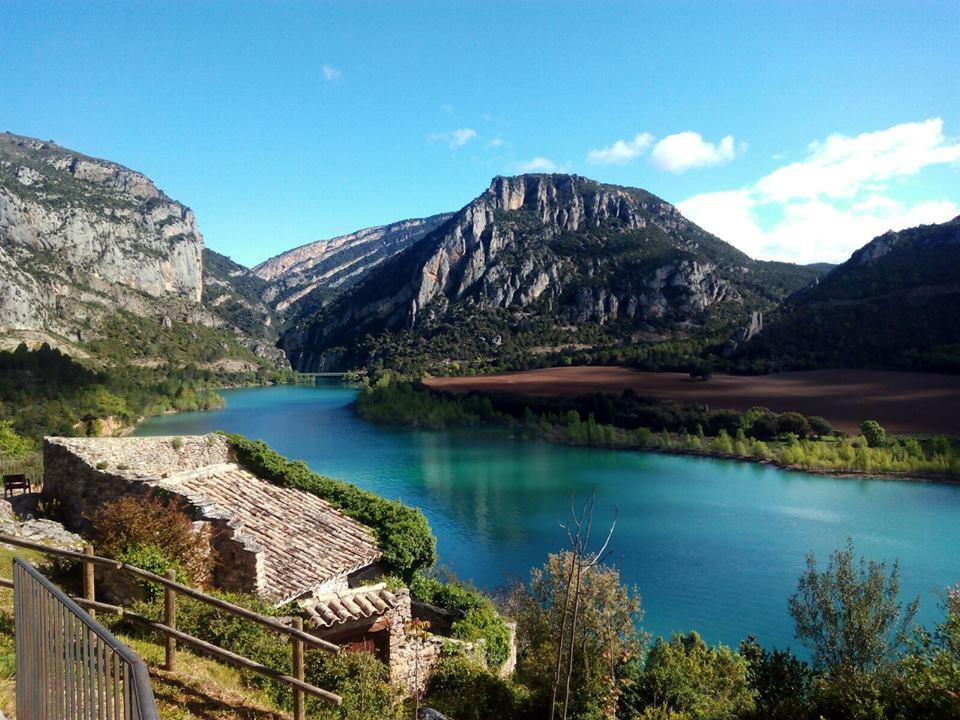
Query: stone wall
[148,457]
[414,652]
[38,530]
[80,489]
[83,475]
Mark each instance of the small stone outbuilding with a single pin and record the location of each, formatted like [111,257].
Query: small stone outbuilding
[280,543]
[277,542]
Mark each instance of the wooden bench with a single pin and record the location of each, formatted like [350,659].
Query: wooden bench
[11,483]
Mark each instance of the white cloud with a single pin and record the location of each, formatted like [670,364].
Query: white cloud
[454,138]
[622,151]
[331,73]
[840,165]
[686,150]
[838,198]
[495,143]
[536,165]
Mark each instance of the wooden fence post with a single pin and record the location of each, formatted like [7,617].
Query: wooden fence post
[170,619]
[297,643]
[88,589]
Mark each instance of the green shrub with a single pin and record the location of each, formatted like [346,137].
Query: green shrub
[662,712]
[443,591]
[239,636]
[792,422]
[360,679]
[463,690]
[821,426]
[402,402]
[482,621]
[781,681]
[402,532]
[11,444]
[152,559]
[486,625]
[706,683]
[874,433]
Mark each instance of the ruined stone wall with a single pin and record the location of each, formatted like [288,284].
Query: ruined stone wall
[238,566]
[148,457]
[414,653]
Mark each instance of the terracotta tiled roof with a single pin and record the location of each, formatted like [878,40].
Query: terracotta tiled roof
[363,602]
[304,539]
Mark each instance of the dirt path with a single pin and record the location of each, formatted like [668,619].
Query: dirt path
[902,402]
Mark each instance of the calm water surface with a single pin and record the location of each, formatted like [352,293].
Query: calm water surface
[711,544]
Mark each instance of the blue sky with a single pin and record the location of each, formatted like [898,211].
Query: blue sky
[794,130]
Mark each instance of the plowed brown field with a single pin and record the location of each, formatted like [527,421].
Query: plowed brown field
[902,402]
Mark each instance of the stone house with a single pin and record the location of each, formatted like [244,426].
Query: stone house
[280,543]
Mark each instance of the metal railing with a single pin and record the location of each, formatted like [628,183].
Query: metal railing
[68,665]
[299,640]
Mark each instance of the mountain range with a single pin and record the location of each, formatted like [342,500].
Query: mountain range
[540,263]
[537,269]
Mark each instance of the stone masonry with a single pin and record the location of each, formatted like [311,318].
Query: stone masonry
[278,542]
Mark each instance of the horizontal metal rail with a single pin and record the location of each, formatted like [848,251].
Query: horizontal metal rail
[68,665]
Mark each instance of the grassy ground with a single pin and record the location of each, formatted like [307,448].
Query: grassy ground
[200,689]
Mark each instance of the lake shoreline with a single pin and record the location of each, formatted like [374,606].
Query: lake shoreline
[916,477]
[422,405]
[936,478]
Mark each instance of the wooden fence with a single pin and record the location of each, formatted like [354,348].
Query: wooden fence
[168,628]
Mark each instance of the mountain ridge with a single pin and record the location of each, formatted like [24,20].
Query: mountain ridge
[310,275]
[567,248]
[95,259]
[894,304]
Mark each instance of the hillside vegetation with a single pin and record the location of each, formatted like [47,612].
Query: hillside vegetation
[538,263]
[788,439]
[894,304]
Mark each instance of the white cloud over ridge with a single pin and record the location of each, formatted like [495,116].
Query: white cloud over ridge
[536,165]
[684,151]
[836,199]
[454,138]
[622,151]
[675,153]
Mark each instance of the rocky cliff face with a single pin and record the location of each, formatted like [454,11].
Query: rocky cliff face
[236,295]
[79,234]
[559,247]
[310,275]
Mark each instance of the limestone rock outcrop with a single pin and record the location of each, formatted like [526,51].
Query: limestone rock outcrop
[314,273]
[560,247]
[77,233]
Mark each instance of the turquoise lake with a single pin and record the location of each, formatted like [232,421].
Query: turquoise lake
[713,545]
